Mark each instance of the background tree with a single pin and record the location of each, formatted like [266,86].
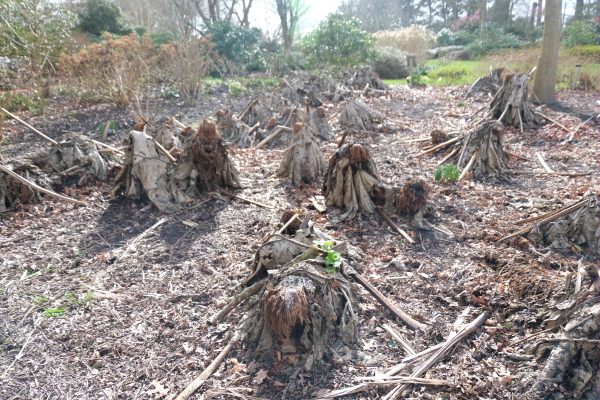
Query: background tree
[99,16]
[290,12]
[545,77]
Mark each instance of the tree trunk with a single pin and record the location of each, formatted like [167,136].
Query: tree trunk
[533,13]
[538,22]
[578,10]
[500,12]
[482,17]
[545,77]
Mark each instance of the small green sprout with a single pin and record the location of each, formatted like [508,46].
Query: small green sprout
[332,258]
[54,312]
[447,173]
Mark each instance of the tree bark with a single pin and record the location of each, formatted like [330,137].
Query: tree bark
[543,87]
[534,7]
[538,22]
[578,10]
[482,17]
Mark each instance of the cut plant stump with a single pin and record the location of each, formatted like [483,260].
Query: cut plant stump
[351,181]
[232,129]
[489,84]
[511,105]
[356,116]
[14,192]
[202,166]
[303,161]
[484,143]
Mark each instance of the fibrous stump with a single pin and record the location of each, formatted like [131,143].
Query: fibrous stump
[484,143]
[303,161]
[357,116]
[317,124]
[232,129]
[351,181]
[411,198]
[490,83]
[13,192]
[214,166]
[573,231]
[203,164]
[438,136]
[359,79]
[303,312]
[511,105]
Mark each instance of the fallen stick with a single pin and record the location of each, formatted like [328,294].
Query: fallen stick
[207,372]
[141,236]
[423,139]
[453,152]
[550,218]
[553,173]
[572,134]
[400,339]
[543,162]
[394,226]
[106,129]
[441,353]
[361,387]
[248,200]
[19,355]
[440,146]
[40,134]
[469,165]
[380,297]
[254,128]
[178,123]
[545,215]
[247,108]
[564,128]
[236,300]
[34,186]
[270,137]
[390,380]
[164,151]
[97,143]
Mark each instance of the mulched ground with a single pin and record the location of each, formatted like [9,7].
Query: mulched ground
[134,322]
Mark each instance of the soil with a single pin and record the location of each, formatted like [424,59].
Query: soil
[135,311]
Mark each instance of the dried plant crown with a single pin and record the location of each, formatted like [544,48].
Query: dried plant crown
[297,127]
[208,130]
[359,154]
[285,308]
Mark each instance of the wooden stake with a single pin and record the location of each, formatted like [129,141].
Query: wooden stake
[41,189]
[40,134]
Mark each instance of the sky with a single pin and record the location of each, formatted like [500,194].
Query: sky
[264,15]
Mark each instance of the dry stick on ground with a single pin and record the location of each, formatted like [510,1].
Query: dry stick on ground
[400,339]
[40,134]
[164,151]
[247,108]
[106,129]
[393,225]
[543,162]
[208,371]
[441,145]
[572,134]
[561,126]
[256,203]
[34,186]
[396,380]
[441,353]
[545,215]
[141,236]
[469,165]
[361,387]
[552,217]
[178,123]
[380,297]
[19,355]
[237,299]
[272,136]
[453,152]
[97,143]
[553,173]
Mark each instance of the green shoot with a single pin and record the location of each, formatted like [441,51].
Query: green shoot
[447,173]
[54,312]
[332,258]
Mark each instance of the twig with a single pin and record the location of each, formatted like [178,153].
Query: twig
[40,134]
[19,355]
[380,297]
[543,162]
[453,152]
[343,139]
[553,173]
[164,151]
[41,189]
[394,226]
[271,136]
[469,165]
[572,134]
[97,143]
[178,123]
[440,146]
[237,299]
[141,236]
[248,200]
[390,380]
[208,371]
[441,353]
[400,339]
[561,126]
[247,108]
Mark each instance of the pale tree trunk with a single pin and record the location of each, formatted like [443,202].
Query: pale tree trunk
[482,17]
[539,13]
[545,77]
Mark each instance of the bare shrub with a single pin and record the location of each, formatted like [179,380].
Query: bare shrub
[413,39]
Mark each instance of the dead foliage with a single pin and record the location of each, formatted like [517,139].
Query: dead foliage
[412,197]
[232,129]
[13,192]
[438,136]
[511,105]
[357,116]
[303,161]
[351,181]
